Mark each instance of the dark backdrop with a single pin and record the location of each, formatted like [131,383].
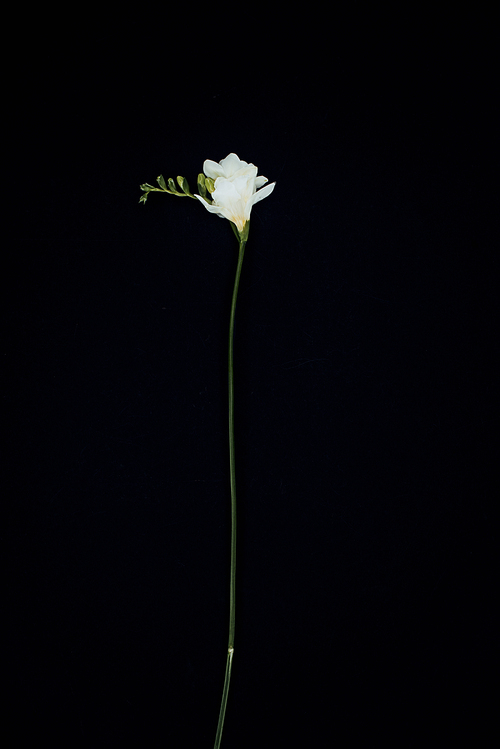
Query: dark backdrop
[365,342]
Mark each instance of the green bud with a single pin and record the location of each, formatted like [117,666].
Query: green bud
[143,198]
[183,184]
[201,185]
[172,186]
[161,182]
[209,184]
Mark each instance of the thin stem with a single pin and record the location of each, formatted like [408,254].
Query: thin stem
[232,474]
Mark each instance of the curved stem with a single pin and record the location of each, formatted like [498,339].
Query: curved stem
[232,474]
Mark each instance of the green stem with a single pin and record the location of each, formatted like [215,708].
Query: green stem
[232,474]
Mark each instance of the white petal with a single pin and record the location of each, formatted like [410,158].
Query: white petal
[212,169]
[247,171]
[231,164]
[225,192]
[210,207]
[245,186]
[264,193]
[260,181]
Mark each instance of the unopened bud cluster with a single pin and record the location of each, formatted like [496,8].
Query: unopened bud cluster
[171,189]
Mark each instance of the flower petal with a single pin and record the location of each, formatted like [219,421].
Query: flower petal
[210,207]
[261,194]
[235,189]
[246,171]
[232,164]
[212,169]
[244,186]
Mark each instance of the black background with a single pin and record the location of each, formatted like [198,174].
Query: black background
[365,343]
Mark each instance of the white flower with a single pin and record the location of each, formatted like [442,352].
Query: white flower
[235,192]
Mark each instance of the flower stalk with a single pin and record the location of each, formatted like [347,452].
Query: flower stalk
[232,478]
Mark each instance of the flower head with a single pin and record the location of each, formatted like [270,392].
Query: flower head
[235,189]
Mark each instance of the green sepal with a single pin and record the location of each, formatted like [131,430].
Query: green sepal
[243,235]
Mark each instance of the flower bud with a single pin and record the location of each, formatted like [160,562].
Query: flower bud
[201,185]
[183,184]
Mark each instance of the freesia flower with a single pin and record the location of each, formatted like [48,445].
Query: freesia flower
[235,189]
[228,189]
